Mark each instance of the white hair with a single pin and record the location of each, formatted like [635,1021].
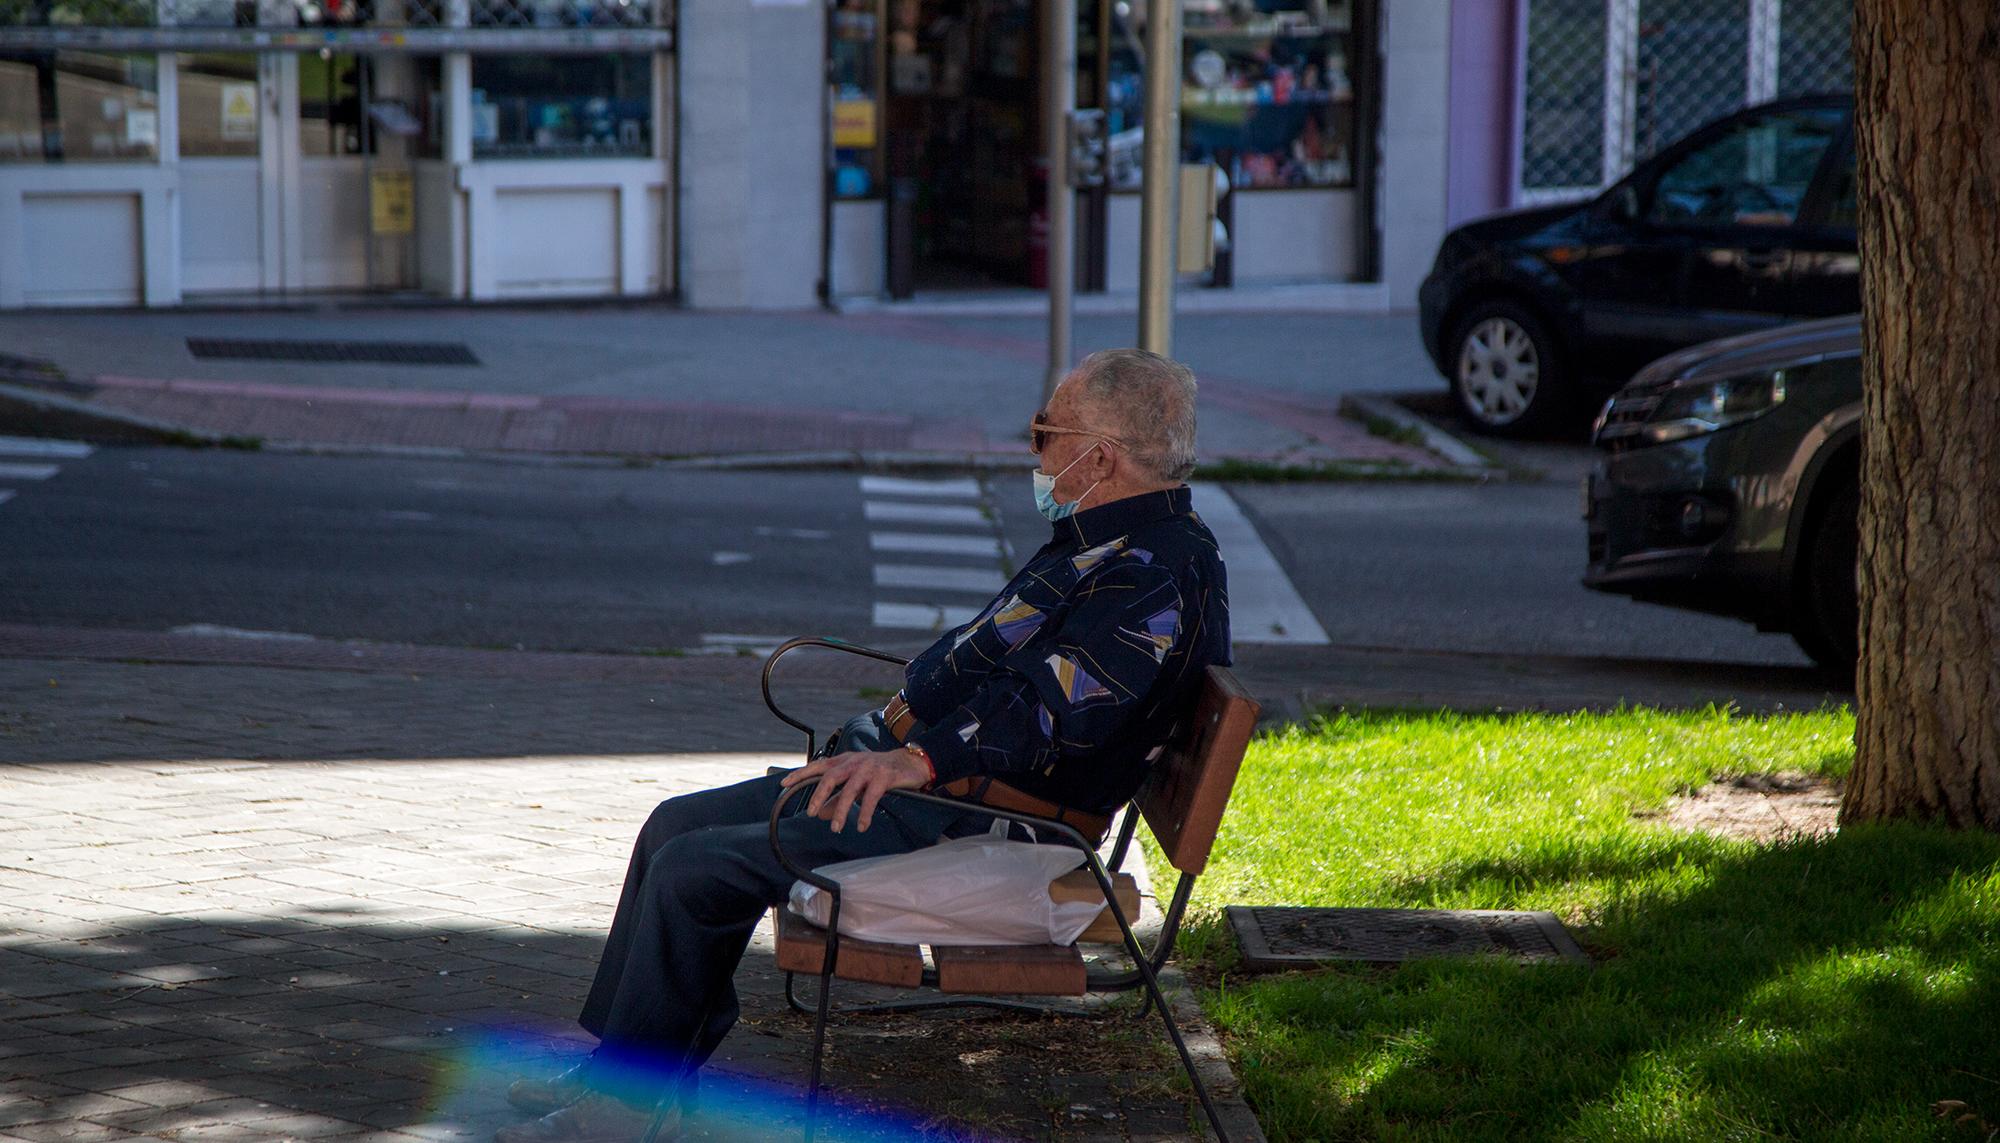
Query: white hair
[1151,398]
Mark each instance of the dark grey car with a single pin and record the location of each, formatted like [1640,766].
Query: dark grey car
[1730,484]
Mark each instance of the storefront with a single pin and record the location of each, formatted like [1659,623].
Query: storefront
[224,149]
[935,140]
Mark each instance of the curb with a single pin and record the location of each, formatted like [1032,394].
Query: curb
[1303,297]
[53,414]
[1384,407]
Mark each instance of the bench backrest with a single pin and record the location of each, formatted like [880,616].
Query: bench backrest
[1189,787]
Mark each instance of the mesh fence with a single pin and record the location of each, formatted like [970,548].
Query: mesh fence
[1610,82]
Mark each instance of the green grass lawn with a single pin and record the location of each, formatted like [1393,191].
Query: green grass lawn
[1815,990]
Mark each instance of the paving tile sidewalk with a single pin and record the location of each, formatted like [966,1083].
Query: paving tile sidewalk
[286,902]
[660,383]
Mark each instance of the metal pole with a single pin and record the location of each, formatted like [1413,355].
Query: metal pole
[1059,68]
[1159,194]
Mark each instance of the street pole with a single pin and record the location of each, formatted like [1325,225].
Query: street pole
[1059,67]
[1159,193]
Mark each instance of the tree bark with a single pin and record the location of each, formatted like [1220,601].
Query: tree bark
[1927,126]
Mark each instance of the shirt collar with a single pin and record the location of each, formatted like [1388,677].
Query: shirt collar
[1094,526]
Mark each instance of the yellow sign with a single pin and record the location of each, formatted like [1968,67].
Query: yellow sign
[239,111]
[854,123]
[390,202]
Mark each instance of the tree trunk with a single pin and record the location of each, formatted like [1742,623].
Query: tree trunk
[1928,131]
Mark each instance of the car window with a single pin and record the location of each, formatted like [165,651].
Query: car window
[1754,174]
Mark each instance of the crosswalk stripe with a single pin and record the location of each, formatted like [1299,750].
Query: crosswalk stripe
[1264,607]
[964,488]
[37,446]
[922,616]
[937,544]
[983,581]
[28,471]
[890,512]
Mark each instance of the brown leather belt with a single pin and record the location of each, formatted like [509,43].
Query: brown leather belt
[902,723]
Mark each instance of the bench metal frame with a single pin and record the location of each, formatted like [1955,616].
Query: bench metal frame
[1143,975]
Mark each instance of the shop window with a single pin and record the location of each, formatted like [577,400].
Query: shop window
[219,105]
[562,13]
[78,13]
[330,104]
[854,71]
[537,107]
[1268,93]
[78,107]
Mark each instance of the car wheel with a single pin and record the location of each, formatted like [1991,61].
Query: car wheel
[1827,625]
[1506,372]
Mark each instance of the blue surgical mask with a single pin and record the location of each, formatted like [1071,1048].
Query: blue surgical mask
[1046,503]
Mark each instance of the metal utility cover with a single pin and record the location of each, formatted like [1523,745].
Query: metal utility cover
[335,352]
[1281,937]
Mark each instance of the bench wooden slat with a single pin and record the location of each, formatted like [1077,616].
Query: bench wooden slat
[1024,970]
[802,948]
[1079,885]
[1190,785]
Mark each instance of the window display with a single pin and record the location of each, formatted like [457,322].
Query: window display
[541,107]
[218,105]
[1267,94]
[855,104]
[79,107]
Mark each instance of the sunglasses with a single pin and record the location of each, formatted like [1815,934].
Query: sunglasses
[1040,430]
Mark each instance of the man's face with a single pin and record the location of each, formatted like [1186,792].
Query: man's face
[1067,410]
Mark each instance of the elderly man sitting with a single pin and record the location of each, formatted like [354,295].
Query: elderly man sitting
[1053,701]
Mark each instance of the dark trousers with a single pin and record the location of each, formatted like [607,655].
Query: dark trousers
[701,876]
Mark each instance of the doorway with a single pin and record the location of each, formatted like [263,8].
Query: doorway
[287,164]
[964,128]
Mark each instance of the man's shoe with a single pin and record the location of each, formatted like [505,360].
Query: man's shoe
[596,1118]
[541,1096]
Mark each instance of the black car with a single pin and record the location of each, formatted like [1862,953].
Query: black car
[1746,224]
[1730,484]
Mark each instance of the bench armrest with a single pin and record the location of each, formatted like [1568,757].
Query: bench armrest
[790,645]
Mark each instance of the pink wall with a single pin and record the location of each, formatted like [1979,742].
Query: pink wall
[1482,132]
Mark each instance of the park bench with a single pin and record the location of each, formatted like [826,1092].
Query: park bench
[1182,803]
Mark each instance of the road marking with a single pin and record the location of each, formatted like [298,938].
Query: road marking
[217,631]
[36,446]
[889,512]
[935,543]
[729,559]
[922,616]
[732,644]
[979,581]
[5,495]
[795,533]
[1264,607]
[28,471]
[964,488]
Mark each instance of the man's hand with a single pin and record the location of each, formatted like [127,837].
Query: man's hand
[863,775]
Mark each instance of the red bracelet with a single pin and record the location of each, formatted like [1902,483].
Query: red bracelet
[925,758]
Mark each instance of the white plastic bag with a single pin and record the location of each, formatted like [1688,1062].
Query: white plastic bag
[982,890]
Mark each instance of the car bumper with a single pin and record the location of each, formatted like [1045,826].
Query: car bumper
[1661,529]
[1431,299]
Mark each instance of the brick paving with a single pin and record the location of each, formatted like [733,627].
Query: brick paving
[265,902]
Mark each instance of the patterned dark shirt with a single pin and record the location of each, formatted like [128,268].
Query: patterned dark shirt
[1069,682]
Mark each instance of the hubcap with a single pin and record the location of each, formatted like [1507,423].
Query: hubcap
[1497,371]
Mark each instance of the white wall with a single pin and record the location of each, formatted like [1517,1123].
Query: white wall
[751,178]
[82,234]
[1416,91]
[860,248]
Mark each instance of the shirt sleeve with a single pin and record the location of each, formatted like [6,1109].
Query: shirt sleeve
[1071,695]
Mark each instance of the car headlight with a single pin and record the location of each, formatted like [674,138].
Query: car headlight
[1703,407]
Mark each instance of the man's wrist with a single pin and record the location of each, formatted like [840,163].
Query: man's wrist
[923,756]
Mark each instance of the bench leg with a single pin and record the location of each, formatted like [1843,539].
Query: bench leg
[819,1027]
